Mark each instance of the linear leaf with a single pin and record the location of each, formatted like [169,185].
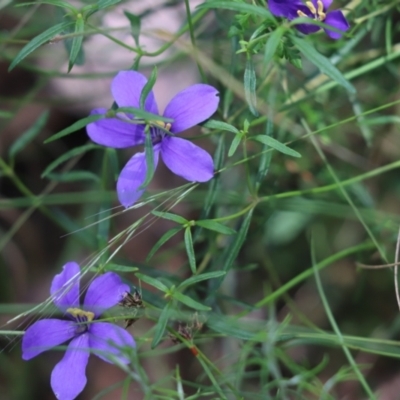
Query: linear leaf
[223,126]
[322,63]
[215,226]
[75,127]
[153,282]
[147,116]
[164,238]
[275,144]
[189,249]
[29,134]
[250,85]
[69,154]
[76,42]
[57,3]
[74,176]
[38,41]
[149,155]
[272,44]
[190,302]
[241,7]
[230,254]
[147,88]
[120,268]
[234,145]
[172,217]
[161,325]
[135,22]
[107,3]
[203,277]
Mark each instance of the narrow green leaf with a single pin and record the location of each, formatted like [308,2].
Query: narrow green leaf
[190,302]
[171,217]
[149,154]
[240,7]
[141,114]
[275,144]
[164,238]
[80,58]
[219,158]
[272,44]
[250,85]
[266,157]
[75,127]
[148,87]
[234,145]
[38,41]
[322,63]
[215,226]
[120,268]
[189,249]
[234,328]
[223,126]
[161,325]
[107,3]
[230,254]
[29,134]
[76,41]
[74,176]
[69,154]
[135,22]
[153,282]
[203,277]
[56,3]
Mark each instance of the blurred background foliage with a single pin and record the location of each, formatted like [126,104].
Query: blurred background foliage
[296,315]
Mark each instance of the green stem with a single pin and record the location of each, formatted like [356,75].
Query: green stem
[335,327]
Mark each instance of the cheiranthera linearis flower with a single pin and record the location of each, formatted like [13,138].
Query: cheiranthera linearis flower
[86,334]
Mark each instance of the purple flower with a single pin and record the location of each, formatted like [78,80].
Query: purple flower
[314,9]
[187,109]
[104,339]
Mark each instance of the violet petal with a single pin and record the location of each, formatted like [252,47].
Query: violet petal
[104,292]
[307,28]
[113,132]
[286,9]
[186,159]
[338,21]
[44,335]
[326,3]
[106,341]
[133,176]
[191,106]
[68,378]
[65,286]
[127,87]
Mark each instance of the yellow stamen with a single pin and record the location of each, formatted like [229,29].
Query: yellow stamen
[301,14]
[311,7]
[77,312]
[164,125]
[321,13]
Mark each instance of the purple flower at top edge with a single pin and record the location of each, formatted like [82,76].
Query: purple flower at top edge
[104,339]
[188,108]
[314,9]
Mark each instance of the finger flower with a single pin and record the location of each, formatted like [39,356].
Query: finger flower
[314,9]
[104,339]
[188,108]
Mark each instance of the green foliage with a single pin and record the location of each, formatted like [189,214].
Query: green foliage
[263,262]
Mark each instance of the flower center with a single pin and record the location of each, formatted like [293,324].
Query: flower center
[164,125]
[158,134]
[318,13]
[83,318]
